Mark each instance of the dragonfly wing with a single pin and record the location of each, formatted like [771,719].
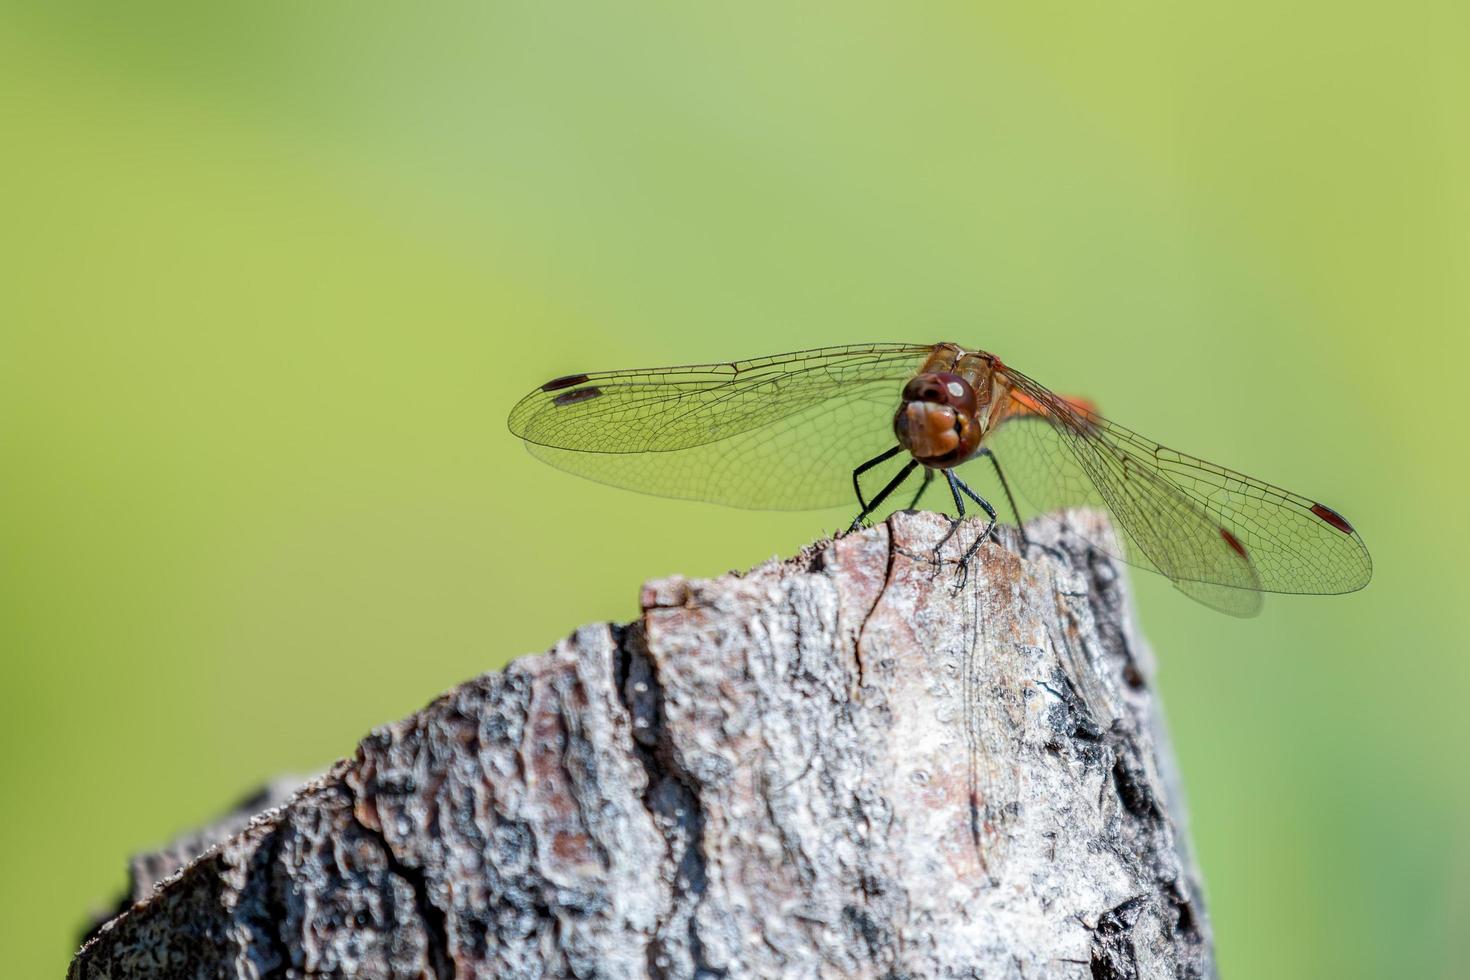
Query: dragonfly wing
[777,433]
[1298,545]
[666,409]
[1206,527]
[800,462]
[1155,526]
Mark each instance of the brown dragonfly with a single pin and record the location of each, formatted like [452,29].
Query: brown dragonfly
[799,431]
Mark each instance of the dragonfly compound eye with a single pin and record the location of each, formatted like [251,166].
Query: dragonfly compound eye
[936,422]
[942,388]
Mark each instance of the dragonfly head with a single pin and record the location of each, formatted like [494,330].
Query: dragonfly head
[937,420]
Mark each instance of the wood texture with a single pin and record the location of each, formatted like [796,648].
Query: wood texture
[851,763]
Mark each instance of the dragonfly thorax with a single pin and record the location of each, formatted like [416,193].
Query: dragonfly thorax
[937,421]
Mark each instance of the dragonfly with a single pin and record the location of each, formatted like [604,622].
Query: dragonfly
[804,430]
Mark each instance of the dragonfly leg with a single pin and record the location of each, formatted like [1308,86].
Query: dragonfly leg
[956,485]
[1010,497]
[954,525]
[954,489]
[872,505]
[928,479]
[856,488]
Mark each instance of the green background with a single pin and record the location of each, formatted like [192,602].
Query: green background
[270,280]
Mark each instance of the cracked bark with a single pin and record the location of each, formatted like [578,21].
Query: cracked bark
[837,765]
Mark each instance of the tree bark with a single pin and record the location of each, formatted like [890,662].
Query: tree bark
[852,763]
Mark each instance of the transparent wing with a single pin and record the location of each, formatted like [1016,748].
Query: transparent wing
[1222,537]
[779,433]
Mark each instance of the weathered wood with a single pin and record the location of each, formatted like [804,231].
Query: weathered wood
[851,763]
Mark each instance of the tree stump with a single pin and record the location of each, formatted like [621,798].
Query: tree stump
[855,762]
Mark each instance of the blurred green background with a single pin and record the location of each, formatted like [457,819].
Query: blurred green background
[272,277]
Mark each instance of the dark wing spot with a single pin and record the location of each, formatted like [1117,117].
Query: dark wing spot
[1330,516]
[1234,542]
[557,384]
[572,397]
